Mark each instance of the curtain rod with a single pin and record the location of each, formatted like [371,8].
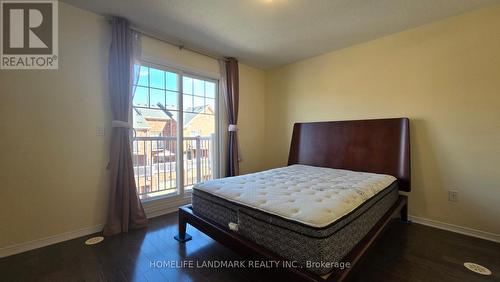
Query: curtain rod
[181,47]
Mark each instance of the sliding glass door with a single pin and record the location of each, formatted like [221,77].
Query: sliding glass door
[175,131]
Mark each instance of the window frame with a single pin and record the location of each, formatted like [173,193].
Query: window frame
[181,72]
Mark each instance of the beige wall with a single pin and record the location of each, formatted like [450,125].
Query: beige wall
[53,166]
[445,76]
[251,119]
[53,176]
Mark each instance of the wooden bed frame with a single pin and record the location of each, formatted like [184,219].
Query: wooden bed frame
[378,146]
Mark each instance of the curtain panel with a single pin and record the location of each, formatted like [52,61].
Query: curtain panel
[230,90]
[125,210]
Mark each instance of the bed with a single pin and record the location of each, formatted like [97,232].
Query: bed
[338,192]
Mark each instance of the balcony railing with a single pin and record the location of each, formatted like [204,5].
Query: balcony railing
[155,163]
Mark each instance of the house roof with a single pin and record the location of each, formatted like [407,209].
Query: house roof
[155,114]
[141,115]
[191,113]
[139,121]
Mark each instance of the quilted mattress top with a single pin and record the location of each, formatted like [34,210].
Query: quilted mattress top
[314,196]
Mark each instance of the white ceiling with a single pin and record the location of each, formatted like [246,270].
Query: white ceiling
[269,33]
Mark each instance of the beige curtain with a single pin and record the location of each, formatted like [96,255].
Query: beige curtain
[125,210]
[230,90]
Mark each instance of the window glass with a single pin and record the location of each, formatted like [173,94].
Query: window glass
[187,85]
[198,87]
[172,100]
[143,79]
[210,89]
[156,78]
[157,98]
[188,103]
[172,81]
[141,97]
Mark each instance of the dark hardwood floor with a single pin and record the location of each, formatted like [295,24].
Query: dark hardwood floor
[406,252]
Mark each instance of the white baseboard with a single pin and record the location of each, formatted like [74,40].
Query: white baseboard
[158,208]
[152,209]
[456,228]
[42,242]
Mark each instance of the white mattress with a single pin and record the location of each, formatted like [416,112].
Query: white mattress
[310,195]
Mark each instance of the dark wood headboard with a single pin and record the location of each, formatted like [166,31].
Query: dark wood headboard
[377,145]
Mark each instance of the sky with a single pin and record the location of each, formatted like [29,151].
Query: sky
[157,86]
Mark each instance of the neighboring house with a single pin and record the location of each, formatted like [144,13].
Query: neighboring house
[154,160]
[199,121]
[157,121]
[154,123]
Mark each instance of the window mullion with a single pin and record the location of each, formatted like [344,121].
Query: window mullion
[165,90]
[180,137]
[149,87]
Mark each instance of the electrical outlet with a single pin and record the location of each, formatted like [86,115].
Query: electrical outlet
[99,131]
[453,196]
